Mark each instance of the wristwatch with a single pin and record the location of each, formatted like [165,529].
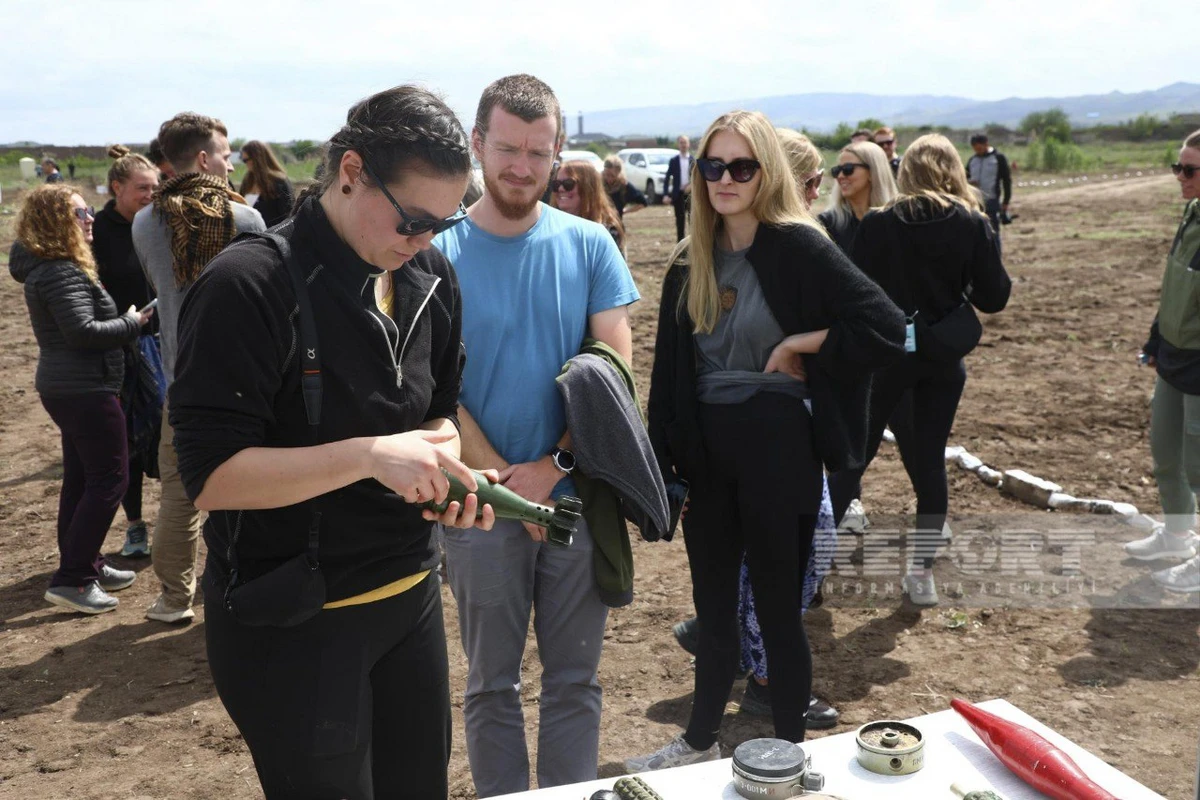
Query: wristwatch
[564,460]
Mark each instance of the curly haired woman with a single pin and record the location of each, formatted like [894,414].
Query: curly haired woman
[80,368]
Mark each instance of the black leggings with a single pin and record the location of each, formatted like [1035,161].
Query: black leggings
[760,496]
[354,703]
[920,399]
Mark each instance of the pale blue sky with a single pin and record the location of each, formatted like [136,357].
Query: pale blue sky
[97,72]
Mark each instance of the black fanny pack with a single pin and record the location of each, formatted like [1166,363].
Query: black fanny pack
[294,591]
[288,595]
[951,337]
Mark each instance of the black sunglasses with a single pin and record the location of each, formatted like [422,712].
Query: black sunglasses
[847,169]
[567,184]
[82,214]
[886,141]
[740,169]
[415,226]
[815,181]
[1186,170]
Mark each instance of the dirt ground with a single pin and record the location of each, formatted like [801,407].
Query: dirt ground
[118,707]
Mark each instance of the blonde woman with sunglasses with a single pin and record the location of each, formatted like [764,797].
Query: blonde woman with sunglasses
[767,335]
[862,181]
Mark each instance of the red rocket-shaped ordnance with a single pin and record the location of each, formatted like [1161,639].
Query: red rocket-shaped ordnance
[1030,757]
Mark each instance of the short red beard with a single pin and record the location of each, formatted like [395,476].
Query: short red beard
[507,209]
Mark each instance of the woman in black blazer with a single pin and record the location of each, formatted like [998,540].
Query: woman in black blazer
[767,335]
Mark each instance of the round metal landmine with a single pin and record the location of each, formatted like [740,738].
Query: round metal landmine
[773,769]
[888,747]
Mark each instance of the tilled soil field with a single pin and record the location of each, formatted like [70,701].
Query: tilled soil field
[119,707]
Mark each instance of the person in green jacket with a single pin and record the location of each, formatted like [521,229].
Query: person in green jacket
[1174,351]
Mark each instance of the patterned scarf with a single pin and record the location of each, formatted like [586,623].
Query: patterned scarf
[198,209]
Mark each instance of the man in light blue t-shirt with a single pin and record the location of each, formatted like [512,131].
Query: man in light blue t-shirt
[535,282]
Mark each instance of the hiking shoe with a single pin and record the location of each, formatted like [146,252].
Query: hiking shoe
[687,633]
[1161,544]
[137,541]
[676,753]
[756,701]
[114,580]
[88,599]
[855,519]
[921,589]
[159,611]
[1183,577]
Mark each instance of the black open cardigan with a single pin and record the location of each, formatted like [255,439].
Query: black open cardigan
[809,285]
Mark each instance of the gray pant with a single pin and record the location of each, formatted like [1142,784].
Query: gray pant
[1175,449]
[498,577]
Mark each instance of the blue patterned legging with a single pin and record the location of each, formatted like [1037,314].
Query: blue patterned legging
[754,655]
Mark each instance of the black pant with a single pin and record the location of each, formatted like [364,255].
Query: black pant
[681,202]
[94,478]
[132,501]
[354,703]
[920,398]
[992,208]
[760,496]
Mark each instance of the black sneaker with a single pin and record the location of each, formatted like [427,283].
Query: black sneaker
[687,633]
[757,699]
[820,715]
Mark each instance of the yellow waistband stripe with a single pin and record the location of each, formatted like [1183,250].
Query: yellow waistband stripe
[382,593]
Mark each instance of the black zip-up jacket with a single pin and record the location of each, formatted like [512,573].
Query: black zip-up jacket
[76,324]
[237,385]
[840,227]
[809,285]
[927,258]
[117,264]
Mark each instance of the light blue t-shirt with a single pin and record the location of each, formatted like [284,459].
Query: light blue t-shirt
[526,303]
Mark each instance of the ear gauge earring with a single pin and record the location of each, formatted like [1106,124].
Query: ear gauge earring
[345,188]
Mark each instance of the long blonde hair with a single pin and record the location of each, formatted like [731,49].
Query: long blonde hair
[47,228]
[932,173]
[883,185]
[777,202]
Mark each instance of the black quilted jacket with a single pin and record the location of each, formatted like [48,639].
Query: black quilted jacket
[76,324]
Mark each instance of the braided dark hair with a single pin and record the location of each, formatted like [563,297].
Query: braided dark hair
[405,127]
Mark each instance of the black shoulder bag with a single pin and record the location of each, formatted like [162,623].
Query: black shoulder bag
[945,340]
[294,591]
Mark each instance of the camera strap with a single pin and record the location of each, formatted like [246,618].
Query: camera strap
[311,388]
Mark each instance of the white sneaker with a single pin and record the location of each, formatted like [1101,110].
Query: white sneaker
[1161,544]
[1183,577]
[855,519]
[159,611]
[921,589]
[676,753]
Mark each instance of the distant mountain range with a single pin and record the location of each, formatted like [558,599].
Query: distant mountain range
[823,111]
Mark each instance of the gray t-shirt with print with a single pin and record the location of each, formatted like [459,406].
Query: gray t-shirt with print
[731,358]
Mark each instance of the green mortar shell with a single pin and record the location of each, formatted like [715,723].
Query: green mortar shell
[635,789]
[560,522]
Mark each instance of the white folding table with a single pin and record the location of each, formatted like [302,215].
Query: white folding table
[953,754]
